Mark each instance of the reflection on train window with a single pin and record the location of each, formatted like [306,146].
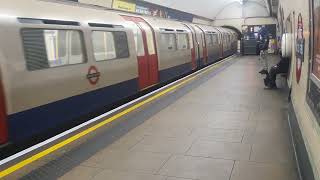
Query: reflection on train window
[109,45]
[183,41]
[138,39]
[168,42]
[52,48]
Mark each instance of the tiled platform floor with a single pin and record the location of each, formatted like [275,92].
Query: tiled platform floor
[229,128]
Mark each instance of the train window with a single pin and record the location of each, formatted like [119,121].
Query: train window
[109,45]
[103,45]
[168,42]
[52,48]
[149,34]
[182,41]
[138,39]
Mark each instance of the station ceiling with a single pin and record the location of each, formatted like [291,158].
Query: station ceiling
[210,8]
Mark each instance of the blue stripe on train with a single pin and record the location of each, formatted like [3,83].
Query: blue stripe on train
[28,123]
[213,58]
[24,125]
[174,72]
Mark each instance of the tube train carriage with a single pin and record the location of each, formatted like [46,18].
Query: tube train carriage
[60,61]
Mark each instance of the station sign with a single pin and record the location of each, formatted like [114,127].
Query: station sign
[316,38]
[124,5]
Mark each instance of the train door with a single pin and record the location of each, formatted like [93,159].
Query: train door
[216,47]
[204,46]
[192,41]
[146,52]
[221,42]
[199,45]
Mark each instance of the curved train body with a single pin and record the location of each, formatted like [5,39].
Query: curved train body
[59,62]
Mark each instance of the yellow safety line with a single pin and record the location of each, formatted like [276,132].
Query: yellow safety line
[35,157]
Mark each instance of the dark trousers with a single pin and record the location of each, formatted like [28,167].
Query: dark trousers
[280,68]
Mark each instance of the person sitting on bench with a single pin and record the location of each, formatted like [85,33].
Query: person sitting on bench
[271,76]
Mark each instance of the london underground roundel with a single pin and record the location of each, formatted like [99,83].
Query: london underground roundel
[93,75]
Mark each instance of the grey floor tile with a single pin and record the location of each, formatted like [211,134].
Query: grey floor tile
[225,116]
[267,115]
[273,126]
[164,144]
[127,141]
[218,135]
[81,173]
[168,131]
[272,153]
[175,178]
[232,124]
[232,151]
[197,168]
[128,160]
[123,175]
[261,171]
[266,137]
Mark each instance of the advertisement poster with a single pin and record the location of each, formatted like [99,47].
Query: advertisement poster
[151,10]
[316,59]
[313,96]
[143,10]
[124,5]
[300,48]
[182,16]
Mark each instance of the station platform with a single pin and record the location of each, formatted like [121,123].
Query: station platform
[221,126]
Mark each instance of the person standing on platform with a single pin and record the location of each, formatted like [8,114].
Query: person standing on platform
[263,47]
[281,68]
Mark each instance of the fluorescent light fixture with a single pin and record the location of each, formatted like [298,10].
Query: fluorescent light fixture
[240,1]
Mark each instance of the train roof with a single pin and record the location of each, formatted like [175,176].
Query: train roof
[36,9]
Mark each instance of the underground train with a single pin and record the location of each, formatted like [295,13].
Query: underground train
[60,61]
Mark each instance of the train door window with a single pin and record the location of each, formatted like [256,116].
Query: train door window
[149,35]
[182,41]
[209,40]
[121,44]
[138,39]
[215,39]
[190,40]
[46,48]
[203,40]
[168,42]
